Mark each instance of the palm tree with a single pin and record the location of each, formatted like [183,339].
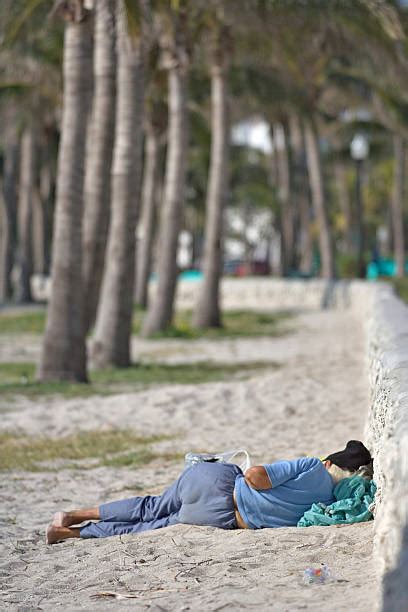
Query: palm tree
[25,215]
[301,193]
[314,163]
[114,318]
[99,157]
[30,59]
[9,204]
[285,196]
[397,204]
[148,210]
[207,308]
[155,119]
[46,189]
[63,350]
[340,176]
[175,60]
[38,232]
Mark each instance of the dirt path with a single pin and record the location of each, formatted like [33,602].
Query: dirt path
[312,404]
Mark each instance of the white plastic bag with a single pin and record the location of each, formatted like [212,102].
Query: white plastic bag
[225,457]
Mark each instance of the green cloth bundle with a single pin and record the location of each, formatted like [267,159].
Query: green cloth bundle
[354,497]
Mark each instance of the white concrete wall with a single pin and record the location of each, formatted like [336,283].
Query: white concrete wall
[387,436]
[258,293]
[265,293]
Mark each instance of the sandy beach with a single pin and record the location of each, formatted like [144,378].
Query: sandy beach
[311,404]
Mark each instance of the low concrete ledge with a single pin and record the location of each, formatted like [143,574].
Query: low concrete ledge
[266,293]
[254,293]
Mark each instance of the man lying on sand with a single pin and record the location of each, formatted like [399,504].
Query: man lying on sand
[220,495]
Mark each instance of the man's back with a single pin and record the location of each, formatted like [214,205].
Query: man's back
[296,485]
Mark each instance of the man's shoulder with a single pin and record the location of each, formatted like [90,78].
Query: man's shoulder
[309,466]
[309,463]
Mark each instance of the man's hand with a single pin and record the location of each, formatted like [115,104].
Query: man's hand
[257,478]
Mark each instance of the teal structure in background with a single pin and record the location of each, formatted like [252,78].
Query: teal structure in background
[382,267]
[194,275]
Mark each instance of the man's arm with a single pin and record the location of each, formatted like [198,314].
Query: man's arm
[282,471]
[257,478]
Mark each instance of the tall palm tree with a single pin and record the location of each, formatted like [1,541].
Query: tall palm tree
[148,211]
[314,163]
[9,204]
[30,62]
[111,344]
[46,189]
[38,231]
[25,215]
[175,60]
[397,204]
[63,351]
[155,120]
[301,193]
[207,308]
[99,157]
[340,177]
[285,196]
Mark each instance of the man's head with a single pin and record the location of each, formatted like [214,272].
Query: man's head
[344,463]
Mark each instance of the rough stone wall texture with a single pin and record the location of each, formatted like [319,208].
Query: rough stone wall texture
[387,436]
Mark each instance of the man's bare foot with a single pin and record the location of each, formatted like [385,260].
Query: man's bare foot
[55,534]
[63,519]
[75,517]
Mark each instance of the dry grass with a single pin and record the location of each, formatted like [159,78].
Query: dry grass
[240,323]
[18,379]
[79,451]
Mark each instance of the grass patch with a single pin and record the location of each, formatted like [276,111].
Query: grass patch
[236,324]
[401,288]
[111,448]
[18,379]
[22,322]
[142,457]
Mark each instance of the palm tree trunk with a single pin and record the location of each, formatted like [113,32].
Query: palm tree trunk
[276,246]
[344,201]
[4,245]
[161,312]
[46,192]
[285,198]
[111,345]
[25,217]
[397,205]
[305,238]
[146,227]
[38,232]
[207,309]
[301,194]
[64,352]
[98,166]
[318,198]
[9,209]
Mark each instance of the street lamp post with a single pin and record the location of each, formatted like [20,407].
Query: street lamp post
[359,150]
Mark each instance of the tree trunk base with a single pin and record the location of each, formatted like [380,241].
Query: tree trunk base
[101,358]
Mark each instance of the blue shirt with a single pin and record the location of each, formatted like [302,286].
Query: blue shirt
[296,485]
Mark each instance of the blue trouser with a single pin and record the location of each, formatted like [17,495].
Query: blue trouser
[202,495]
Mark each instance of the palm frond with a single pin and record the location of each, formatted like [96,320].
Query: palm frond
[21,20]
[134,17]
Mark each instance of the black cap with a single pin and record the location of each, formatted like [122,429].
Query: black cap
[352,457]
